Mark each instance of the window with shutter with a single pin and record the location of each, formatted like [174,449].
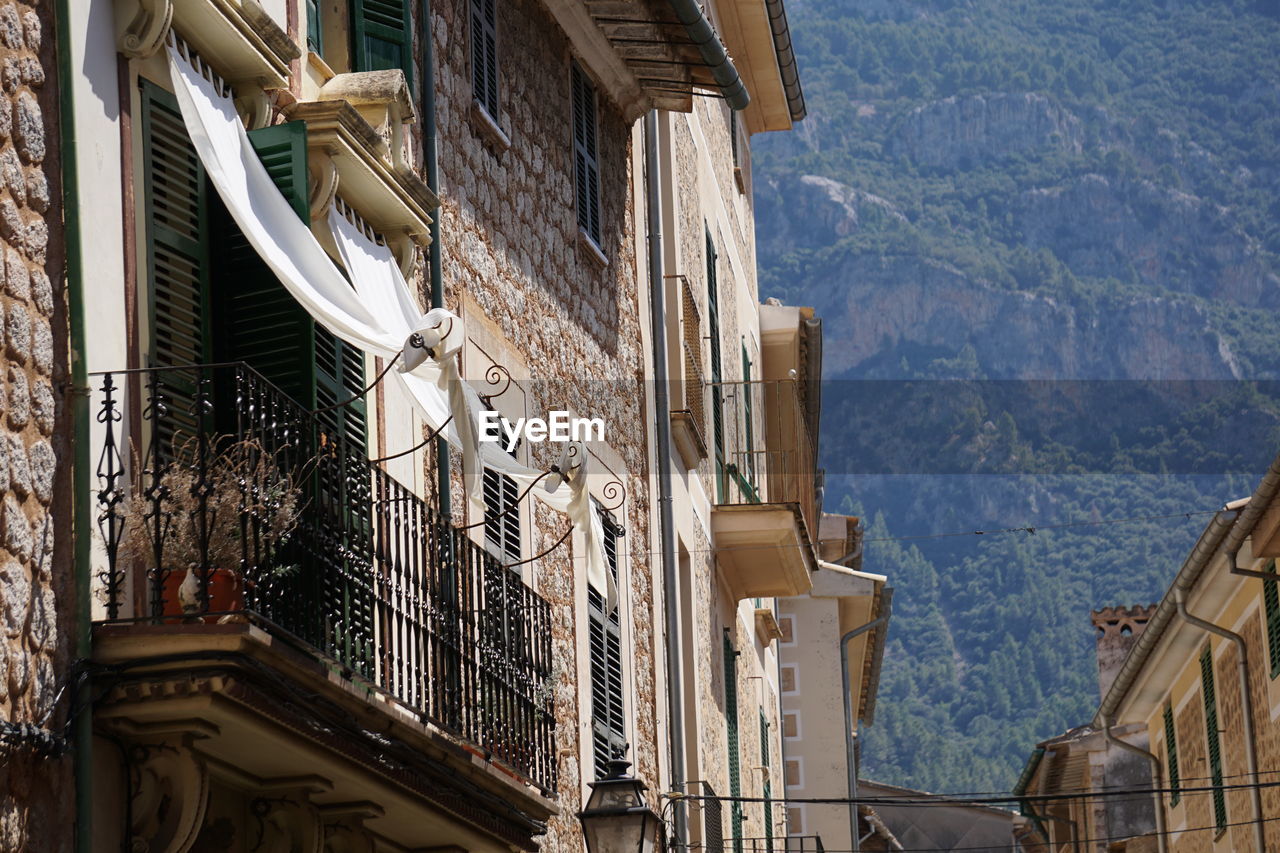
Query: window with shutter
[315,27]
[484,55]
[717,375]
[731,720]
[749,419]
[1271,602]
[382,36]
[502,513]
[767,793]
[1214,738]
[608,721]
[177,234]
[1171,755]
[586,168]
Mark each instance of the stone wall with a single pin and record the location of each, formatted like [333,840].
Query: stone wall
[36,588]
[510,242]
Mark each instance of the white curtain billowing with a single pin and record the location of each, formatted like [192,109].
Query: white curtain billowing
[376,312]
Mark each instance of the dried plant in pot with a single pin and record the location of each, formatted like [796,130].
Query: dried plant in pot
[228,505]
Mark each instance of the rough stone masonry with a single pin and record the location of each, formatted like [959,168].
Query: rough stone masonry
[36,584]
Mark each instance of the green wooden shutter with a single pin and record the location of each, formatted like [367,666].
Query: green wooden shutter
[717,376]
[608,723]
[767,794]
[177,235]
[382,35]
[1214,738]
[315,27]
[1171,755]
[586,168]
[1271,601]
[749,420]
[260,323]
[484,55]
[731,720]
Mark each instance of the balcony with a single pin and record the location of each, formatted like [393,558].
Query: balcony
[254,547]
[765,485]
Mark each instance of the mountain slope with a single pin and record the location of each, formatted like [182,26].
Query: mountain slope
[1017,190]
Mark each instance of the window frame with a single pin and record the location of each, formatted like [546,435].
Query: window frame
[586,154]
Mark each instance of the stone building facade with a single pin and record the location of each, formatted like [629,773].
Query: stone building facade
[362,686]
[37,589]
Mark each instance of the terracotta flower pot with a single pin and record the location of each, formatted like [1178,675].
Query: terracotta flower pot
[226,593]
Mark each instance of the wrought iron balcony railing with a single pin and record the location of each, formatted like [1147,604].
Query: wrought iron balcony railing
[222,499]
[765,448]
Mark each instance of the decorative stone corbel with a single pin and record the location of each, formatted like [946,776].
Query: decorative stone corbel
[344,830]
[323,184]
[145,32]
[254,105]
[171,788]
[287,821]
[405,251]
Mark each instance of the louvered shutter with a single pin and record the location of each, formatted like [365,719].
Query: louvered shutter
[1214,738]
[501,528]
[259,321]
[177,235]
[586,168]
[484,54]
[712,821]
[731,721]
[1171,755]
[717,376]
[1271,602]
[315,27]
[608,723]
[768,792]
[382,32]
[749,419]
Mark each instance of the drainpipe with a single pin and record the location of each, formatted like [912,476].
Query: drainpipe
[662,459]
[1157,779]
[1246,710]
[703,35]
[850,725]
[431,161]
[78,408]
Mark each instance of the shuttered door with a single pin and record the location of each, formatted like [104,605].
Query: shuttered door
[586,168]
[1214,738]
[1271,600]
[748,422]
[717,375]
[767,794]
[484,54]
[315,27]
[177,236]
[259,321]
[1171,755]
[731,720]
[608,725]
[382,36]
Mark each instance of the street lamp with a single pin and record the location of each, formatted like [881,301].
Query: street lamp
[617,819]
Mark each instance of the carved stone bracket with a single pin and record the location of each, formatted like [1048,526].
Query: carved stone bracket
[145,31]
[344,829]
[287,821]
[323,183]
[170,784]
[254,104]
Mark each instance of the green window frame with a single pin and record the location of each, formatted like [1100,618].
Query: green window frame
[1171,755]
[1271,604]
[315,26]
[731,723]
[608,720]
[748,422]
[382,36]
[717,369]
[484,55]
[586,155]
[1213,738]
[767,792]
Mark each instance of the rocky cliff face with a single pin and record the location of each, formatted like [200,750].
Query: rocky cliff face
[960,132]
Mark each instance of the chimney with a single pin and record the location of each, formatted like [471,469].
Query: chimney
[1118,629]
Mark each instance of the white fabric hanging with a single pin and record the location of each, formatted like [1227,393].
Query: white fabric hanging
[376,312]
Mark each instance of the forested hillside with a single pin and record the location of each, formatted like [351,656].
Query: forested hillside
[1000,190]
